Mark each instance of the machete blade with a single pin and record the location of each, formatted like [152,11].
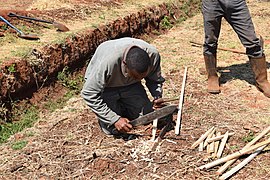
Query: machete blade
[147,118]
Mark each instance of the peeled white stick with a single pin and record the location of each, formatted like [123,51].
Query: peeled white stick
[212,146]
[227,164]
[216,146]
[235,155]
[242,164]
[201,146]
[208,137]
[222,144]
[180,105]
[218,137]
[194,145]
[154,130]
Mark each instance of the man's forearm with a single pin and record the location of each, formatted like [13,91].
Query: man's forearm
[100,108]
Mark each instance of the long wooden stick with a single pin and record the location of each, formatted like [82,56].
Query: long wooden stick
[194,145]
[235,155]
[242,164]
[178,121]
[227,164]
[196,44]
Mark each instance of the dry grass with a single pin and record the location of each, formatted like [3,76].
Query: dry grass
[64,141]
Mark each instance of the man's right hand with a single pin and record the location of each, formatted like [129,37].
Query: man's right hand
[122,125]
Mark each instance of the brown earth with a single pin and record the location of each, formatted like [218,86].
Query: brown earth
[67,144]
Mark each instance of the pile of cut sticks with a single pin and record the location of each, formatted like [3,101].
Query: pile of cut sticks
[213,141]
[253,148]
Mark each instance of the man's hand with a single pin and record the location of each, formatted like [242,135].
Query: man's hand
[158,103]
[122,125]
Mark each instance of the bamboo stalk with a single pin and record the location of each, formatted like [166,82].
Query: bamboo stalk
[242,164]
[222,144]
[202,138]
[180,105]
[227,164]
[235,155]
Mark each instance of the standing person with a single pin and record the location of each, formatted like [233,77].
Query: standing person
[113,88]
[237,15]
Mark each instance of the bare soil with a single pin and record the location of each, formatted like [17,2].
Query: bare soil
[68,144]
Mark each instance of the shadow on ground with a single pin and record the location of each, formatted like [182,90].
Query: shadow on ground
[237,71]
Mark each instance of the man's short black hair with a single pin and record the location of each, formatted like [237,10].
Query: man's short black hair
[137,59]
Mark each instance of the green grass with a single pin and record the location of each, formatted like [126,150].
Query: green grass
[28,117]
[249,137]
[19,145]
[27,120]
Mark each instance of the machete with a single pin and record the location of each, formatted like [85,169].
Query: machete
[147,118]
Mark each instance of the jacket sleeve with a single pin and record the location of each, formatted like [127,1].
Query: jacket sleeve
[91,93]
[154,80]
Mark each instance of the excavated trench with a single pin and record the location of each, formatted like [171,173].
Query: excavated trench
[30,75]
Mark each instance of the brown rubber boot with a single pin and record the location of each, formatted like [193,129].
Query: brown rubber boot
[213,79]
[258,66]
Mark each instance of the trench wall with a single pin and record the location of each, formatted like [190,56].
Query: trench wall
[27,76]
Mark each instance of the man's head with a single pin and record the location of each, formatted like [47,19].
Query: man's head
[137,62]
